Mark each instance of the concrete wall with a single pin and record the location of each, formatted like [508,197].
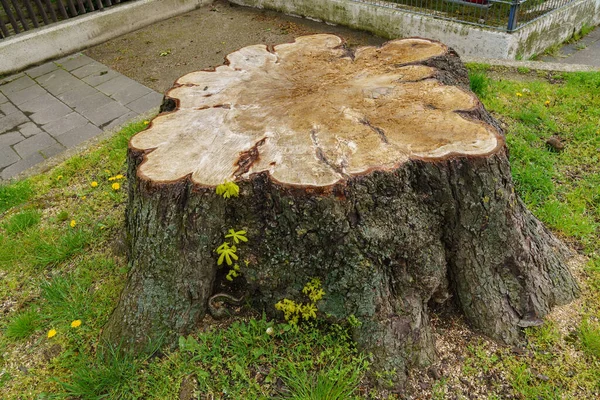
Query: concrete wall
[554,28]
[63,38]
[467,40]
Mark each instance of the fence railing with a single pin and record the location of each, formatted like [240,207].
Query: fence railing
[17,16]
[503,15]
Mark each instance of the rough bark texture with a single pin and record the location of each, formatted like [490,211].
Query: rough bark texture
[386,244]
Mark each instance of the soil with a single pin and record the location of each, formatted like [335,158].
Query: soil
[159,54]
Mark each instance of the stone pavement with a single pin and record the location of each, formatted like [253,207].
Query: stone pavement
[58,105]
[585,51]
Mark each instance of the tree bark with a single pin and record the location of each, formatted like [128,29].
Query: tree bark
[420,212]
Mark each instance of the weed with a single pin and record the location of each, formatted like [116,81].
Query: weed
[22,221]
[13,194]
[589,336]
[479,83]
[23,325]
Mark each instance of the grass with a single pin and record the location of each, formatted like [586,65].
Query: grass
[53,273]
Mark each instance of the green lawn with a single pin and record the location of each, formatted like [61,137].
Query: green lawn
[62,260]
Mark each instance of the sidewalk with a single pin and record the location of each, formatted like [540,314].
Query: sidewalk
[585,51]
[58,105]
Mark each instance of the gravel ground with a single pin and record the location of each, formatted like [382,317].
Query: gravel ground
[159,54]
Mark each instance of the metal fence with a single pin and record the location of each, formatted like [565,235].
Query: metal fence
[17,16]
[503,15]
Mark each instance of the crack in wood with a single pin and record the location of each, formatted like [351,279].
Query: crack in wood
[248,158]
[375,129]
[323,158]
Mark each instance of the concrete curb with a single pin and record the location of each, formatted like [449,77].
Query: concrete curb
[33,47]
[534,65]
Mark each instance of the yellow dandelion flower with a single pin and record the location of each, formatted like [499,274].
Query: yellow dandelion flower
[518,94]
[94,184]
[119,176]
[112,178]
[83,197]
[547,103]
[106,171]
[146,122]
[73,223]
[76,323]
[51,333]
[116,186]
[58,178]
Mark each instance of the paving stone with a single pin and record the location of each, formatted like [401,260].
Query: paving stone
[114,85]
[7,108]
[22,165]
[130,93]
[34,144]
[3,99]
[101,77]
[106,113]
[59,81]
[75,96]
[79,135]
[74,61]
[10,122]
[29,129]
[18,84]
[7,157]
[146,103]
[92,103]
[10,138]
[26,94]
[39,103]
[89,69]
[53,150]
[116,123]
[52,113]
[41,70]
[71,121]
[11,78]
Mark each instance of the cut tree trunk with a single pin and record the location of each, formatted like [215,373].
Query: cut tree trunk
[375,170]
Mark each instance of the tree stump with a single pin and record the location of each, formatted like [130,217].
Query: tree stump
[375,170]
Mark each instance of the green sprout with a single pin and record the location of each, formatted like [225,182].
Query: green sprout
[237,236]
[226,253]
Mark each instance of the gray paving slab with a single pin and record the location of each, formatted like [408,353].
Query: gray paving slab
[11,78]
[74,61]
[114,85]
[130,93]
[53,150]
[585,51]
[10,138]
[69,122]
[7,108]
[107,113]
[91,103]
[79,135]
[7,157]
[100,78]
[75,96]
[52,113]
[146,103]
[34,144]
[58,105]
[89,69]
[39,103]
[120,121]
[21,165]
[41,70]
[10,122]
[29,129]
[18,84]
[29,93]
